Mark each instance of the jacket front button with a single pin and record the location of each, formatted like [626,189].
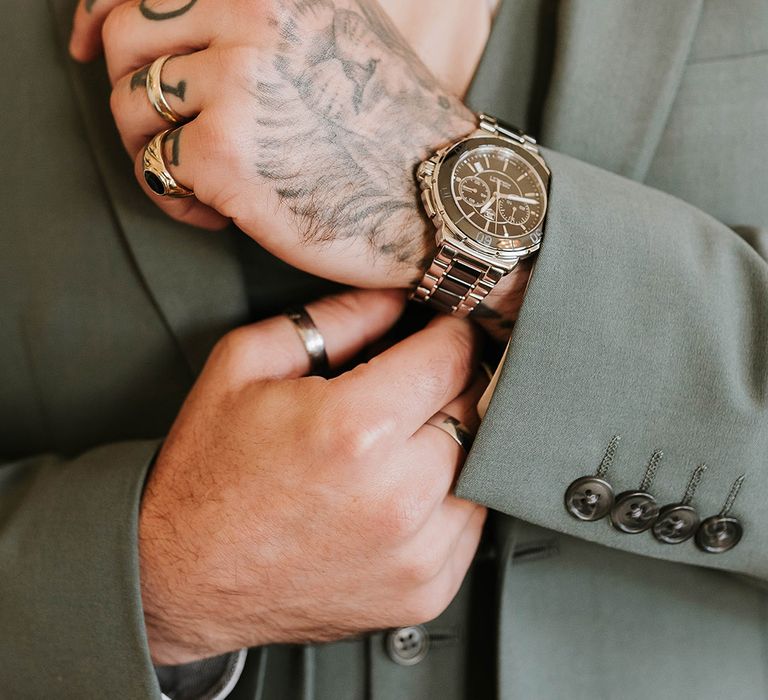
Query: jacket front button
[407,646]
[719,534]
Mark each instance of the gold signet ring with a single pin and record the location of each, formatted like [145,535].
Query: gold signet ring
[156,174]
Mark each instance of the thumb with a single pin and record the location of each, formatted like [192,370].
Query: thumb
[348,322]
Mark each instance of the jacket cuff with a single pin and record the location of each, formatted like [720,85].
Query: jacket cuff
[208,679]
[645,318]
[70,597]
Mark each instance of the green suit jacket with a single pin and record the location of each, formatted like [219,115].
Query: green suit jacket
[647,316]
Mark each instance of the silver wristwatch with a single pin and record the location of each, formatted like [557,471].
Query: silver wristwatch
[487,196]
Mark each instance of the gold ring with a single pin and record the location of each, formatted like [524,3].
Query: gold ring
[453,427]
[156,174]
[155,92]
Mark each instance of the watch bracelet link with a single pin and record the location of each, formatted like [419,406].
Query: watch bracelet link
[456,283]
[501,128]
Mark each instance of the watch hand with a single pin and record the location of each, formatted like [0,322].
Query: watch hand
[517,198]
[493,198]
[488,204]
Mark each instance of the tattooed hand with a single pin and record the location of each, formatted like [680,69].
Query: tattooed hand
[307,120]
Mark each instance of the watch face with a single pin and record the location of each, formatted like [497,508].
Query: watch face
[493,194]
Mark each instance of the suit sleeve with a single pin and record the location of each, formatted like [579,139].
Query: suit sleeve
[645,318]
[70,601]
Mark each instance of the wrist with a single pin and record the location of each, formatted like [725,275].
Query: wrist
[499,310]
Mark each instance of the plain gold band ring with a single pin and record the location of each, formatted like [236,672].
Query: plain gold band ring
[453,427]
[156,95]
[156,174]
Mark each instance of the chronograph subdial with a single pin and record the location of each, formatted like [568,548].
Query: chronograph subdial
[514,212]
[474,191]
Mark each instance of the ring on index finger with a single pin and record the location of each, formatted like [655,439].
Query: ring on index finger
[453,427]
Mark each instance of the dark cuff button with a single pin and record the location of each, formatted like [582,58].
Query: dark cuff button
[589,498]
[407,646]
[634,512]
[718,534]
[676,523]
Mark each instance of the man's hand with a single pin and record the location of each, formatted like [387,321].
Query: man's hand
[287,509]
[308,118]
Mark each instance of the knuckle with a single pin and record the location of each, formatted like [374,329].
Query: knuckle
[238,62]
[230,350]
[343,306]
[419,568]
[425,604]
[111,27]
[117,104]
[352,438]
[459,344]
[217,152]
[433,385]
[402,516]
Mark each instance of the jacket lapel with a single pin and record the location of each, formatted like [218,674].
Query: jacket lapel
[594,80]
[192,276]
[617,69]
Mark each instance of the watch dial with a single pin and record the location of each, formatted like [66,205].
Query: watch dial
[499,193]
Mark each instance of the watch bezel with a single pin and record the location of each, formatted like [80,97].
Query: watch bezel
[449,213]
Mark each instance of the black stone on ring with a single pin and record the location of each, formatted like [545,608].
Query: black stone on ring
[154,182]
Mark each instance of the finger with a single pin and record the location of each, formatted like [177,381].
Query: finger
[414,379]
[347,322]
[188,210]
[85,40]
[136,33]
[463,554]
[187,82]
[441,537]
[437,456]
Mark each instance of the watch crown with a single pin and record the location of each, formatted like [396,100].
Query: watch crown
[425,170]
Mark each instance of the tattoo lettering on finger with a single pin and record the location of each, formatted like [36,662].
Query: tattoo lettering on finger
[177,91]
[89,5]
[158,16]
[174,138]
[139,80]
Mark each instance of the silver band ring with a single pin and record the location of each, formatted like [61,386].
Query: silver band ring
[156,174]
[313,340]
[156,95]
[453,427]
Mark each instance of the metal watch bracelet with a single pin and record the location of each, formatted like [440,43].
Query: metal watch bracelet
[455,282]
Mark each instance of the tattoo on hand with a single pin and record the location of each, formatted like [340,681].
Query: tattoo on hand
[173,138]
[158,16]
[89,5]
[348,89]
[139,80]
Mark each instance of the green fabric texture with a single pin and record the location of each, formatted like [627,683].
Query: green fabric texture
[645,317]
[606,344]
[69,588]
